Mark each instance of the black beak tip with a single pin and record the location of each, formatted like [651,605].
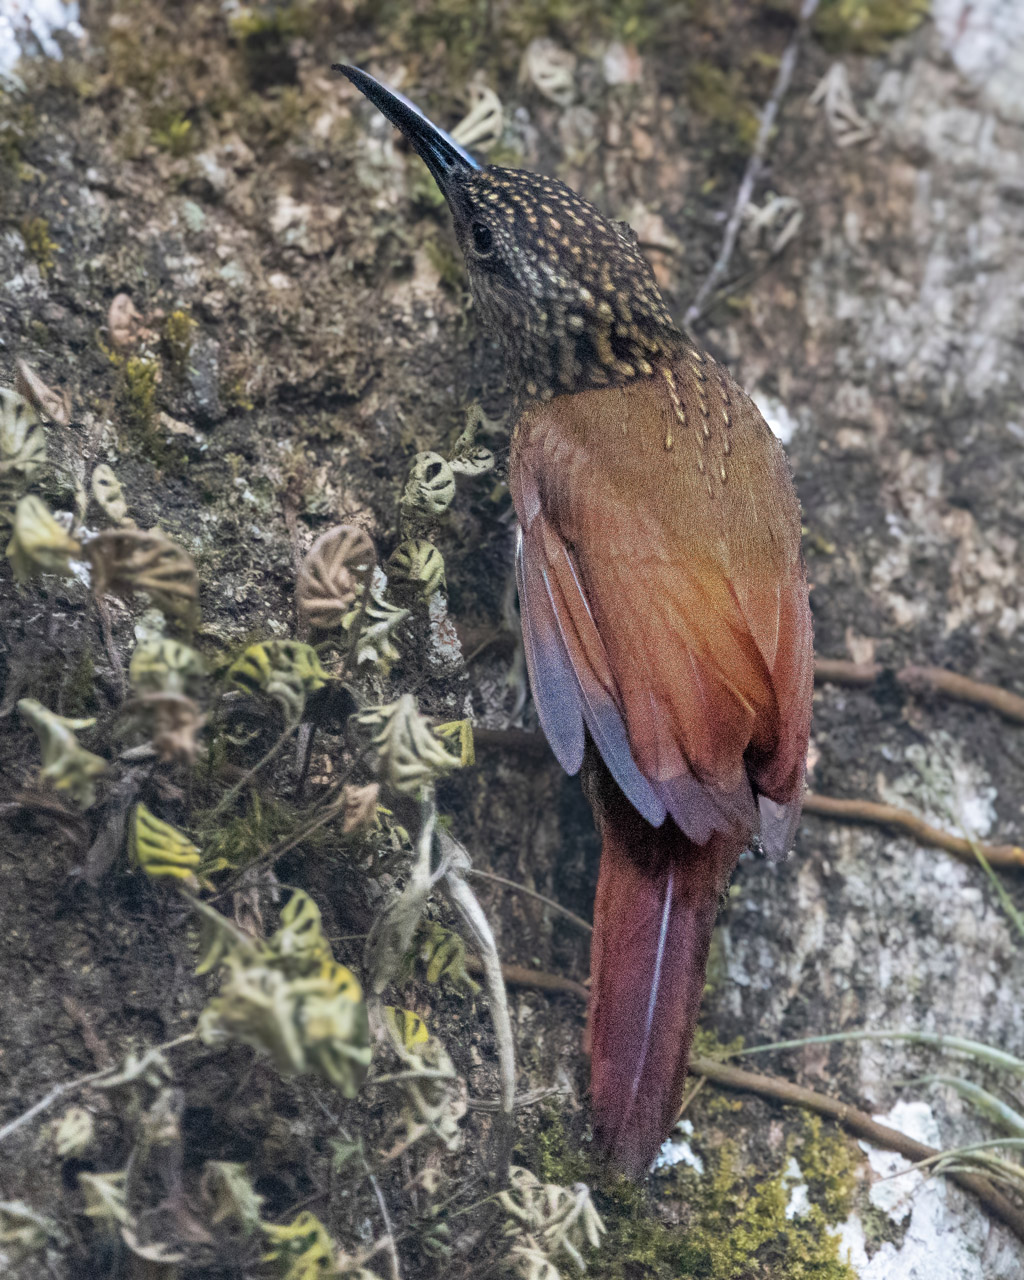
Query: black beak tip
[442,154]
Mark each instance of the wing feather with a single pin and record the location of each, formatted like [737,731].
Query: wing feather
[683,619]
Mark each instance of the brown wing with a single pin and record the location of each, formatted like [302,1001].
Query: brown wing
[664,600]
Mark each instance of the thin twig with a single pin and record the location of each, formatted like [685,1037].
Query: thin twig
[962,688]
[1006,856]
[578,921]
[522,1099]
[72,1086]
[1005,901]
[517,975]
[103,610]
[389,1239]
[988,1053]
[859,1123]
[285,845]
[787,64]
[417,1073]
[690,1095]
[464,900]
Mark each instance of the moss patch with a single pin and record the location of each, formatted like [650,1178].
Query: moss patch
[866,26]
[36,234]
[728,1224]
[721,96]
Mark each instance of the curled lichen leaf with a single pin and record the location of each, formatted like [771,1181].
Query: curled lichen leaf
[24,1233]
[481,128]
[459,733]
[288,998]
[39,544]
[285,670]
[73,1133]
[299,940]
[227,1189]
[335,1027]
[408,1028]
[550,69]
[475,461]
[109,495]
[124,322]
[105,1198]
[67,766]
[546,1221]
[360,806]
[376,620]
[301,1249]
[332,571]
[162,665]
[435,1095]
[444,954]
[22,439]
[430,487]
[411,756]
[128,560]
[172,722]
[55,405]
[161,850]
[418,563]
[315,1023]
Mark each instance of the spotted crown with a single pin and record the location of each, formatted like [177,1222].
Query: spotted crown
[566,290]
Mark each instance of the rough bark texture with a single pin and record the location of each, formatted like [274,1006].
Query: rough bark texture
[218,169]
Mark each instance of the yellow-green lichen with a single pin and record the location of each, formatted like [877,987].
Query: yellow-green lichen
[722,97]
[178,331]
[36,234]
[866,26]
[174,134]
[139,380]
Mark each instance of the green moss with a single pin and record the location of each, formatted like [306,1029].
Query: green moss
[36,234]
[276,22]
[734,1223]
[139,378]
[721,96]
[243,839]
[174,134]
[866,26]
[706,1044]
[178,331]
[828,1163]
[78,692]
[17,126]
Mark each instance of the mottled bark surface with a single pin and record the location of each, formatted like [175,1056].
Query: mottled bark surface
[334,340]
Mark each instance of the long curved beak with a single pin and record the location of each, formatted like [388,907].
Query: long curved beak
[441,153]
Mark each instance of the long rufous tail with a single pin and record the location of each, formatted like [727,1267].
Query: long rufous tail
[657,898]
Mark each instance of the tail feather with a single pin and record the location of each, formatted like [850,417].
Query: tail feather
[657,898]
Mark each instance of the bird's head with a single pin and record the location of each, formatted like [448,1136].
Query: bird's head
[566,290]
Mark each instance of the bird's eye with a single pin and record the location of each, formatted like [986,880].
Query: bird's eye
[483,240]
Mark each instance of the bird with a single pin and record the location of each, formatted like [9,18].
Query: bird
[663,598]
